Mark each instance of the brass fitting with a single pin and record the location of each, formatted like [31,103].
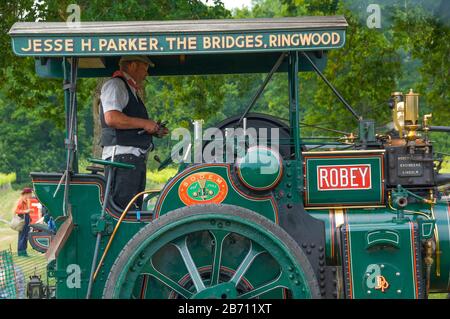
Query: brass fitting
[405,114]
[426,119]
[428,260]
[398,112]
[412,108]
[349,138]
[411,114]
[428,249]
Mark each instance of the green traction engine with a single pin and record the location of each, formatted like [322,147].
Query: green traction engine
[367,218]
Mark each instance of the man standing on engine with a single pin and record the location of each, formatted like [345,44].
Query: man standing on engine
[123,117]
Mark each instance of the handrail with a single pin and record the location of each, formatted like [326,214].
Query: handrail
[127,208]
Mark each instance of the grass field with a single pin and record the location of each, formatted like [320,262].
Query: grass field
[8,237]
[36,262]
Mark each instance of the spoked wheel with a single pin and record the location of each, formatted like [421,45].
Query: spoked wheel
[211,251]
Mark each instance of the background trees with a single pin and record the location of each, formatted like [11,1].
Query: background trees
[410,50]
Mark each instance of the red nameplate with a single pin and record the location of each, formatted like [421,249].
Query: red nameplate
[341,177]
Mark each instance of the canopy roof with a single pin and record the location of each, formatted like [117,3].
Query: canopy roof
[178,47]
[178,26]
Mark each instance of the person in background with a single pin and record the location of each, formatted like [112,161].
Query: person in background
[23,209]
[48,219]
[35,214]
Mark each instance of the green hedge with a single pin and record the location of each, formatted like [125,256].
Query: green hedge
[445,165]
[158,178]
[7,178]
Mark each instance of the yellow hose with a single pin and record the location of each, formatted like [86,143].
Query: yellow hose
[117,227]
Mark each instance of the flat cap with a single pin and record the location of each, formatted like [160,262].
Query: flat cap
[140,58]
[26,190]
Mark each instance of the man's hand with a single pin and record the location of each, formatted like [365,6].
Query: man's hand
[151,127]
[163,131]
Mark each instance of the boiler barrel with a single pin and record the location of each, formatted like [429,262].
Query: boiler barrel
[440,271]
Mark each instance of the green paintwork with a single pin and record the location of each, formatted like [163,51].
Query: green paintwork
[260,168]
[44,241]
[170,200]
[366,129]
[79,248]
[101,225]
[399,196]
[382,237]
[439,215]
[440,274]
[86,202]
[426,228]
[211,190]
[294,119]
[183,250]
[385,249]
[110,163]
[230,63]
[259,265]
[169,44]
[230,46]
[373,194]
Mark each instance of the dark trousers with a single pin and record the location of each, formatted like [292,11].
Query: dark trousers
[126,183]
[22,242]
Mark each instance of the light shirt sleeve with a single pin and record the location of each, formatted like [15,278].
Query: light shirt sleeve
[114,95]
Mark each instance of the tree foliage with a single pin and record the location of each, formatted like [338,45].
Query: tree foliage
[33,110]
[409,51]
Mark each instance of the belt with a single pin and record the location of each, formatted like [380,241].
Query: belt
[142,156]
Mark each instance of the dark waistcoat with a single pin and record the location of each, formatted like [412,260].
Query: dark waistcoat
[126,137]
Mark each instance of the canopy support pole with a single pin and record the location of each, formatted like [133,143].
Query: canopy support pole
[70,105]
[261,88]
[294,116]
[339,96]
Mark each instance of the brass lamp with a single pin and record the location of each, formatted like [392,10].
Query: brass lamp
[35,288]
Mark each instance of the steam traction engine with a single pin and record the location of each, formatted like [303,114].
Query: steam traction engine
[368,222]
[364,220]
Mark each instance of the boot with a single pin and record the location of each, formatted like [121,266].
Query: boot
[22,253]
